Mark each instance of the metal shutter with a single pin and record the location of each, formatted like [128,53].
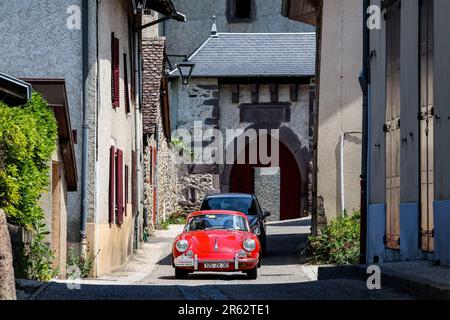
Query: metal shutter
[426,118]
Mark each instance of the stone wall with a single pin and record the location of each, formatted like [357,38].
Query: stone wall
[161,177]
[7,283]
[193,188]
[267,189]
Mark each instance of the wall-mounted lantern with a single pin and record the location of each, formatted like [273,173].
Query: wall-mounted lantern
[184,68]
[139,6]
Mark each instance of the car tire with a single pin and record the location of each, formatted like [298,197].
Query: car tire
[253,273]
[181,274]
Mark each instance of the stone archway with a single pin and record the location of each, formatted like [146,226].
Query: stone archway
[294,163]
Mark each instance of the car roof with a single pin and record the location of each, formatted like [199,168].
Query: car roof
[206,212]
[230,195]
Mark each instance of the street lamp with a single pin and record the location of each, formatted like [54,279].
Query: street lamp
[139,5]
[185,68]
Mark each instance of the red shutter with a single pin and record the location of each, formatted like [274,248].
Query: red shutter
[115,71]
[112,172]
[119,186]
[126,88]
[127,181]
[133,181]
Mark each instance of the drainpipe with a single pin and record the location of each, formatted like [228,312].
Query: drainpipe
[84,174]
[137,77]
[364,81]
[341,173]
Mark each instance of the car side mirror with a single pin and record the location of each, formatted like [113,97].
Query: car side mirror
[267,214]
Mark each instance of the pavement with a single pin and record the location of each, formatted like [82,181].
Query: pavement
[421,279]
[149,275]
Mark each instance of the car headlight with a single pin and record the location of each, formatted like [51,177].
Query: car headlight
[249,245]
[182,246]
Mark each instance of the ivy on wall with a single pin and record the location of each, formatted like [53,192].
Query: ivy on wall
[28,137]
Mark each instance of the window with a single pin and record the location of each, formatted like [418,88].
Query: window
[240,11]
[119,187]
[116,187]
[115,73]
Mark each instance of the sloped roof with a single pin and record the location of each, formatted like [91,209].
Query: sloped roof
[255,55]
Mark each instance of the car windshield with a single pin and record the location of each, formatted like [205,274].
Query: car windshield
[217,222]
[245,205]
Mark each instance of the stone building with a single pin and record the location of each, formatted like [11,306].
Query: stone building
[160,170]
[96,47]
[263,85]
[233,16]
[338,112]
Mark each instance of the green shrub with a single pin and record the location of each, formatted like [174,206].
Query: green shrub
[79,266]
[27,142]
[28,136]
[36,259]
[338,243]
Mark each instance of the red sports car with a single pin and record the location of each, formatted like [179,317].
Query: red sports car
[218,241]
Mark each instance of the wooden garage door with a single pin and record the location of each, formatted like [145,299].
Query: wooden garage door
[426,118]
[392,126]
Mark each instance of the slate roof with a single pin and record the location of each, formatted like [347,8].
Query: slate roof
[255,55]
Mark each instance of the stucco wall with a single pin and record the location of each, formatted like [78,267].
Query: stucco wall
[115,128]
[186,38]
[340,104]
[36,43]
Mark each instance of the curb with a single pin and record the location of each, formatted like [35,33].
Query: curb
[414,286]
[39,291]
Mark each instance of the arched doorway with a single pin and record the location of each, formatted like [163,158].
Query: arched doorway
[242,180]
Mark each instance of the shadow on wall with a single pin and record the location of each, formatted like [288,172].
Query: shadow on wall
[355,140]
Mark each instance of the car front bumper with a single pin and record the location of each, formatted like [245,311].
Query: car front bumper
[236,264]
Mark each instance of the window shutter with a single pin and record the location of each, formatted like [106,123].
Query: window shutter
[119,186]
[127,181]
[115,71]
[133,181]
[112,172]
[127,90]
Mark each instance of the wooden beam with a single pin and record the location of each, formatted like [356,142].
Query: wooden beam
[273,87]
[254,89]
[235,93]
[293,92]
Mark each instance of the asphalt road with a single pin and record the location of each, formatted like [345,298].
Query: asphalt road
[280,278]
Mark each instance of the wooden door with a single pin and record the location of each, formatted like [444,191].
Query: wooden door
[426,117]
[56,213]
[392,126]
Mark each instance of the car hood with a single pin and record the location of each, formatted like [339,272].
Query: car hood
[217,241]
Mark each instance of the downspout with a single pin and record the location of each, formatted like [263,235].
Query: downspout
[85,148]
[341,174]
[364,81]
[137,76]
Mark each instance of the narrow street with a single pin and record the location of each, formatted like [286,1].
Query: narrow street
[280,278]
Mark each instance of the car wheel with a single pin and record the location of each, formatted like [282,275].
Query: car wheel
[181,274]
[253,273]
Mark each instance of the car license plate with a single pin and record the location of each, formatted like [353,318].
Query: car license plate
[184,262]
[217,265]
